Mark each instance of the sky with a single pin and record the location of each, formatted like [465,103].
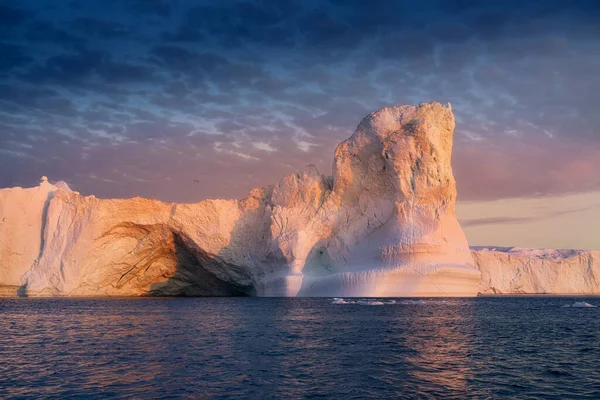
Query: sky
[184,100]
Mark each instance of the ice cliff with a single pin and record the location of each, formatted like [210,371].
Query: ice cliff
[513,270]
[382,225]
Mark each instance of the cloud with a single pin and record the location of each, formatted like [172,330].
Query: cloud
[524,220]
[11,17]
[522,167]
[177,58]
[43,31]
[92,27]
[12,56]
[496,221]
[161,8]
[83,66]
[158,85]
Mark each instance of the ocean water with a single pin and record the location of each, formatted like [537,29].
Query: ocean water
[263,348]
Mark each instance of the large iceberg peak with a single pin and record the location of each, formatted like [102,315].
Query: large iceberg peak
[382,225]
[62,185]
[398,153]
[54,185]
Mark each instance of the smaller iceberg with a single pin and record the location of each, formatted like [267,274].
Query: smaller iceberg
[381,302]
[337,300]
[412,302]
[579,304]
[370,302]
[363,302]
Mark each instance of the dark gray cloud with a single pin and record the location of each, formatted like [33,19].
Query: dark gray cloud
[142,97]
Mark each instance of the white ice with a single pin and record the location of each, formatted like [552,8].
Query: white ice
[375,302]
[370,302]
[579,304]
[342,301]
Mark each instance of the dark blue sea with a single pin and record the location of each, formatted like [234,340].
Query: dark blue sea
[270,348]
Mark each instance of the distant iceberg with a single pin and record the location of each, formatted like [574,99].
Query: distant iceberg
[370,302]
[579,304]
[342,301]
[515,270]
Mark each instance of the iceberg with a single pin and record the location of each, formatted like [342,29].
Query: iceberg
[383,225]
[514,270]
[579,304]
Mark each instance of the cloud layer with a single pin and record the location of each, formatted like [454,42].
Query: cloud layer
[145,97]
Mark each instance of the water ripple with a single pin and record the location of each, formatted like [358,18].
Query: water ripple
[298,348]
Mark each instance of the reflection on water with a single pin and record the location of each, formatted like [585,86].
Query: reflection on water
[298,348]
[438,358]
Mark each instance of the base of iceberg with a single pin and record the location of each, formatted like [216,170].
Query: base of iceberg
[432,281]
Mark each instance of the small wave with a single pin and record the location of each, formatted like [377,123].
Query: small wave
[557,372]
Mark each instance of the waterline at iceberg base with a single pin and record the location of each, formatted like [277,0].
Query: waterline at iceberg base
[383,225]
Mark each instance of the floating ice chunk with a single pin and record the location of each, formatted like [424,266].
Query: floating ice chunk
[579,304]
[364,302]
[337,300]
[411,302]
[370,302]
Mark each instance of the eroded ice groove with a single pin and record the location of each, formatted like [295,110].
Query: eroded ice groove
[383,225]
[23,216]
